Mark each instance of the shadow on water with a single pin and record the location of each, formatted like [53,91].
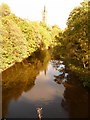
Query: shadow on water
[40,81]
[75,95]
[75,99]
[21,77]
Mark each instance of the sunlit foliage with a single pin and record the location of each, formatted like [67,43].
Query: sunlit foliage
[75,42]
[56,35]
[20,37]
[4,10]
[14,45]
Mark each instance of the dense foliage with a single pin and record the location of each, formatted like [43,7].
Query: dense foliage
[76,40]
[20,37]
[74,46]
[4,10]
[56,35]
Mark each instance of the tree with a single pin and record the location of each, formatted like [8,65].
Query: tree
[75,43]
[76,34]
[4,10]
[14,45]
[20,37]
[56,34]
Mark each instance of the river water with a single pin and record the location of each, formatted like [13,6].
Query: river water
[43,82]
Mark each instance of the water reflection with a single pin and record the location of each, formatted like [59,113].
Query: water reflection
[44,90]
[45,94]
[39,82]
[75,96]
[76,99]
[21,78]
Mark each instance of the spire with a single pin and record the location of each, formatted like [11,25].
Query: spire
[44,8]
[44,13]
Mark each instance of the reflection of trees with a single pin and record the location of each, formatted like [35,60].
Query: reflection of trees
[21,77]
[75,99]
[76,102]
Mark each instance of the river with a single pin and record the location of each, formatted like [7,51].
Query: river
[42,82]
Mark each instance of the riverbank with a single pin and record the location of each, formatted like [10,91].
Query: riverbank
[20,39]
[73,65]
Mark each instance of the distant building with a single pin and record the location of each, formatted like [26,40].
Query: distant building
[44,15]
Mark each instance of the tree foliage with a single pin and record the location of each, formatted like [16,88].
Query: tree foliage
[56,35]
[20,37]
[4,10]
[75,42]
[14,45]
[76,34]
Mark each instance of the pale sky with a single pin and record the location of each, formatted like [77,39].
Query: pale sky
[57,10]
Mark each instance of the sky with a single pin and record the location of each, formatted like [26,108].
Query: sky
[57,10]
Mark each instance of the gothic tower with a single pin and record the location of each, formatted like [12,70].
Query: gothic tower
[44,14]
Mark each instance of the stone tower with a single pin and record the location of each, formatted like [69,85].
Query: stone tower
[44,14]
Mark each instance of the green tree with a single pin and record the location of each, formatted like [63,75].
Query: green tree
[31,34]
[45,35]
[75,36]
[20,37]
[75,42]
[14,45]
[56,34]
[4,10]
